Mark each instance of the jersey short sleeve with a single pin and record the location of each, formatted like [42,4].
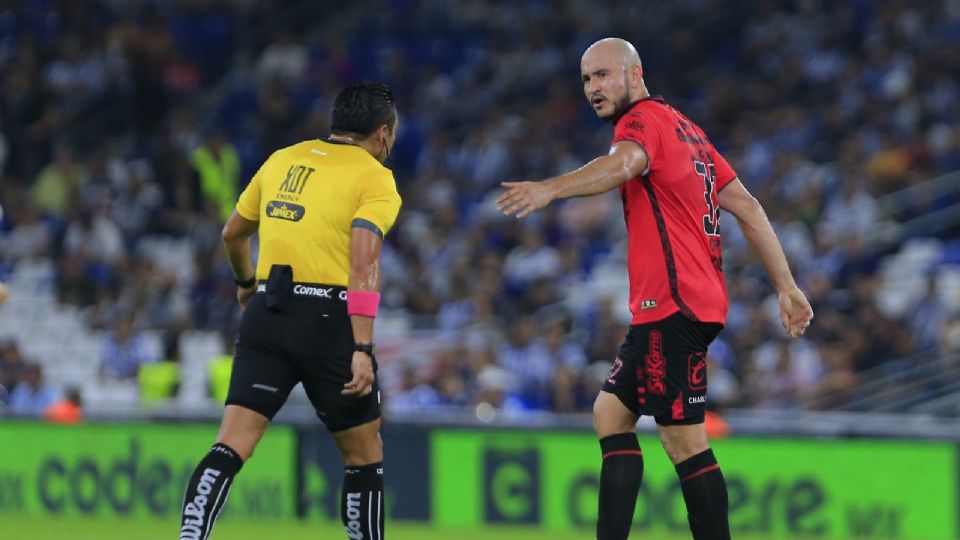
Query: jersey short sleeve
[248,206]
[723,172]
[379,202]
[635,127]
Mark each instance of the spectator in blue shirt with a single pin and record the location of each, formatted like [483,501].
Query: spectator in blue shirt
[33,395]
[124,350]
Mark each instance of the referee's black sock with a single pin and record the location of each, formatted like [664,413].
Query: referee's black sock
[361,502]
[705,492]
[207,492]
[620,478]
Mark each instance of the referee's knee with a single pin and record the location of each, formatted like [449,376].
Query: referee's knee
[361,445]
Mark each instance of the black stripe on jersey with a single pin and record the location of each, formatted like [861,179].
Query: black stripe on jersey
[667,251]
[361,223]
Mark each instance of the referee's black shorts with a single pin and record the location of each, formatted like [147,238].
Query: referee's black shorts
[309,340]
[661,370]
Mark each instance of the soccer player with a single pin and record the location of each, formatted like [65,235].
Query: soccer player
[673,183]
[321,208]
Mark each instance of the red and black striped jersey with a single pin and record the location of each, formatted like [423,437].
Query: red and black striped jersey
[672,213]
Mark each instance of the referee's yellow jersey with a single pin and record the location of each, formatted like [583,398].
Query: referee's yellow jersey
[307,197]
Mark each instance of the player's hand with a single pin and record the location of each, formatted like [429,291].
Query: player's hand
[4,293]
[244,295]
[521,198]
[795,311]
[362,382]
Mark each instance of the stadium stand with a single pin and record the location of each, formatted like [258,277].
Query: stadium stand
[842,117]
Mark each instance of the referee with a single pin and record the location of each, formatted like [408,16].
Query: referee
[321,208]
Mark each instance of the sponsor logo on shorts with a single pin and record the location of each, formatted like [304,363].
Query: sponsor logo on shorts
[284,210]
[617,366]
[676,411]
[655,365]
[318,292]
[195,510]
[697,371]
[696,400]
[354,527]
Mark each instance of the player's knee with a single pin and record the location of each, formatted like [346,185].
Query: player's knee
[244,449]
[610,418]
[361,447]
[682,444]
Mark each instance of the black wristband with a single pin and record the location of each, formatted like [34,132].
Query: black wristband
[246,284]
[364,347]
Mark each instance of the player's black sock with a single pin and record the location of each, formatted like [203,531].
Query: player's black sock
[207,492]
[705,492]
[620,478]
[361,502]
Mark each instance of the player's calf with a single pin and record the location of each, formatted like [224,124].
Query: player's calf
[705,494]
[207,492]
[620,477]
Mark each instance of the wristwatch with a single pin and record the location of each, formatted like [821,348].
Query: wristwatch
[364,347]
[246,284]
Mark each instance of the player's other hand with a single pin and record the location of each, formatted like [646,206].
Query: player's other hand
[362,382]
[244,295]
[795,311]
[521,198]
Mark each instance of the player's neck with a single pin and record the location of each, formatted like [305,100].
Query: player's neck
[366,144]
[642,93]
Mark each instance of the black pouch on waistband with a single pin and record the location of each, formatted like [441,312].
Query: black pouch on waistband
[279,286]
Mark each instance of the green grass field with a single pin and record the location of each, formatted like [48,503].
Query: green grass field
[32,528]
[89,529]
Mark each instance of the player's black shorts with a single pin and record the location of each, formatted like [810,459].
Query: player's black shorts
[308,340]
[661,370]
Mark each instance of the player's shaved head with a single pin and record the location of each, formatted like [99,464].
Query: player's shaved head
[612,76]
[614,50]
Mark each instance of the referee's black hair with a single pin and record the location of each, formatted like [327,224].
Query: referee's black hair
[361,108]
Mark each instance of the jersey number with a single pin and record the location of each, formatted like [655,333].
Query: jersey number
[711,220]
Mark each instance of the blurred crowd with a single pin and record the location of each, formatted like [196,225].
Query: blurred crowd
[122,123]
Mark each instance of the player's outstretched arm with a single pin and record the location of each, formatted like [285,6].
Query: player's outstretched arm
[795,310]
[625,161]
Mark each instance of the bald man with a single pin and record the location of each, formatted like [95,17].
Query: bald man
[673,183]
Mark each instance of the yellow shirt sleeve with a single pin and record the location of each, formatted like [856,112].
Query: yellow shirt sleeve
[379,201]
[248,206]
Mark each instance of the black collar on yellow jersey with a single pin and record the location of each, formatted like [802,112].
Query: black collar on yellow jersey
[331,141]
